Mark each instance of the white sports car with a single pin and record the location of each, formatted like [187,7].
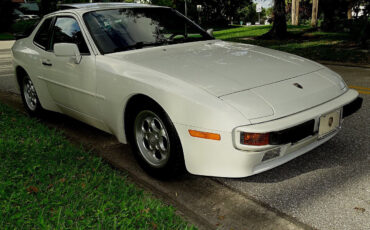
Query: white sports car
[183,99]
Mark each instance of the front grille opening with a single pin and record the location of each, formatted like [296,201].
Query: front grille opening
[293,134]
[271,154]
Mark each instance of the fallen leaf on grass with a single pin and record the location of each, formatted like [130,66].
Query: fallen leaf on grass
[360,209]
[146,210]
[32,189]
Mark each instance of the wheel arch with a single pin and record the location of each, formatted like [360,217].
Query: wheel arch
[20,72]
[174,165]
[130,108]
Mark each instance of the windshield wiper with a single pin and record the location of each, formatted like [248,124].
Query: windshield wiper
[140,45]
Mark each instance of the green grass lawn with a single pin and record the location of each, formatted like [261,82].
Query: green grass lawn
[45,182]
[6,36]
[316,45]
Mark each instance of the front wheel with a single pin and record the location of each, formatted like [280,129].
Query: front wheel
[156,143]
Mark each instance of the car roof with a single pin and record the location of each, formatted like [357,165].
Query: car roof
[82,8]
[98,5]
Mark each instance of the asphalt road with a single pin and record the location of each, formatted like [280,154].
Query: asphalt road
[327,188]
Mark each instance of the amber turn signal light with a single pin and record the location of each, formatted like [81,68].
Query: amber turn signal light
[256,139]
[205,135]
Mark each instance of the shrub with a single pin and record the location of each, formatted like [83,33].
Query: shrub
[6,14]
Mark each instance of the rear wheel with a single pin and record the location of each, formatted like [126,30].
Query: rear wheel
[29,97]
[156,144]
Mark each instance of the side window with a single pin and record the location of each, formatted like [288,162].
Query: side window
[42,35]
[67,30]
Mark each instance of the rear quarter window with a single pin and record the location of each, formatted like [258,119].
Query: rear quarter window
[43,34]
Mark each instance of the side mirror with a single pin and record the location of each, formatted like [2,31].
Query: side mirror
[210,32]
[67,50]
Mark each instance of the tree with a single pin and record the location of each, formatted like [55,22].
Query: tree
[350,5]
[279,27]
[365,30]
[338,13]
[315,10]
[248,13]
[47,6]
[6,15]
[215,12]
[295,12]
[169,3]
[270,12]
[264,14]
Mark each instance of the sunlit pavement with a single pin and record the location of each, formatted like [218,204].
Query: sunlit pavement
[327,188]
[6,72]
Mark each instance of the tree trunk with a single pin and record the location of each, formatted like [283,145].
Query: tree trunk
[295,12]
[349,12]
[279,28]
[315,9]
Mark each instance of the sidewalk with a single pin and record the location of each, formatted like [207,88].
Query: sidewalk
[4,45]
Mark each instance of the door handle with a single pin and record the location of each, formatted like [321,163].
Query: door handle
[46,62]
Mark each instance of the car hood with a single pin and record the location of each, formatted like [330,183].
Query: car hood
[274,101]
[221,68]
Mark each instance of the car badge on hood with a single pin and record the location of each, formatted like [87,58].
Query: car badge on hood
[298,85]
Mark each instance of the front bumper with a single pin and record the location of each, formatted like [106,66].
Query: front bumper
[227,158]
[352,107]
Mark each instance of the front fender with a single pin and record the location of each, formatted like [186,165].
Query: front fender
[185,104]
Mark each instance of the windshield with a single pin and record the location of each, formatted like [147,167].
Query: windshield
[135,28]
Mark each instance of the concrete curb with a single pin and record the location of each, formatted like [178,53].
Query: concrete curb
[202,201]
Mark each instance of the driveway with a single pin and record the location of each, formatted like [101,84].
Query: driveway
[6,70]
[327,188]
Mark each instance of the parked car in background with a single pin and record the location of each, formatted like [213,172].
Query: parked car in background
[183,99]
[27,17]
[21,15]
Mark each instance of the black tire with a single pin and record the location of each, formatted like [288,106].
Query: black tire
[174,165]
[34,110]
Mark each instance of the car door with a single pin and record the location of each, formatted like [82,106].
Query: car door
[36,54]
[72,86]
